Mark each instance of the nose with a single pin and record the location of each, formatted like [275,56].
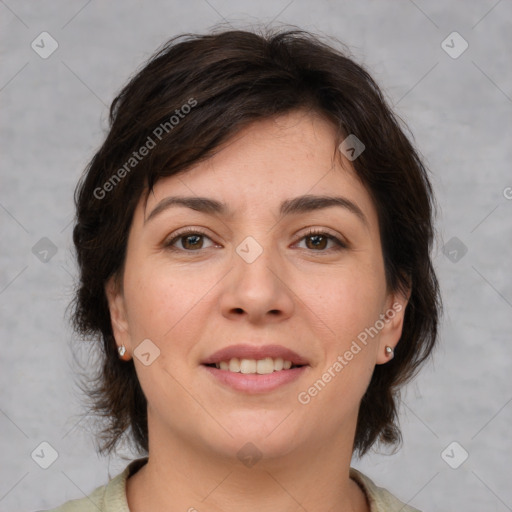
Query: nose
[258,290]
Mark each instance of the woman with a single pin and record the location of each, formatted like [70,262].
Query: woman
[253,239]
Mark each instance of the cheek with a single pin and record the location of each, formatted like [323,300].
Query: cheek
[349,303]
[156,300]
[346,301]
[167,304]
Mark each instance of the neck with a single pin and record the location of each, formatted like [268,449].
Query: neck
[180,476]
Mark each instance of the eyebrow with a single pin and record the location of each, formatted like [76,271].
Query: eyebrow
[297,205]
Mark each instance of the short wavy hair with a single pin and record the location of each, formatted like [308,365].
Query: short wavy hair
[229,79]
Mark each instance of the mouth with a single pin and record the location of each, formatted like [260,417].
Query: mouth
[255,366]
[255,369]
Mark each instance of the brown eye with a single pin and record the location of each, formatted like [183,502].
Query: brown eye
[189,240]
[318,241]
[192,241]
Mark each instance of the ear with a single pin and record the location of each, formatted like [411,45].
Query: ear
[117,308]
[393,319]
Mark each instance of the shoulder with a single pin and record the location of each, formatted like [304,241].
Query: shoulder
[93,503]
[106,498]
[380,499]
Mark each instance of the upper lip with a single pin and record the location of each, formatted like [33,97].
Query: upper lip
[255,352]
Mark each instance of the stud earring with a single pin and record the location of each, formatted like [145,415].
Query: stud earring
[389,351]
[122,351]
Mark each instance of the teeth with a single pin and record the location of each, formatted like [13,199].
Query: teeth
[234,365]
[265,366]
[260,366]
[248,366]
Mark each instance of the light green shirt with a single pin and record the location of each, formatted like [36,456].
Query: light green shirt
[112,496]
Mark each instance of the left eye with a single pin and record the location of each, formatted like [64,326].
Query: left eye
[318,241]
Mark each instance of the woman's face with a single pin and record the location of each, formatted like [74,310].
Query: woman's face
[250,287]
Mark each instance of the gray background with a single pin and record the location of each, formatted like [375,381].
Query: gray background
[54,114]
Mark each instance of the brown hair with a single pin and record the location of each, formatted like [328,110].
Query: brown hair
[229,79]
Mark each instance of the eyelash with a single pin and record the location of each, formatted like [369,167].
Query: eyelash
[312,232]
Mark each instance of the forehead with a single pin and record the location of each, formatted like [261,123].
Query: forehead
[265,164]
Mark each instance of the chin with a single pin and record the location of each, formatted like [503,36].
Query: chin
[258,435]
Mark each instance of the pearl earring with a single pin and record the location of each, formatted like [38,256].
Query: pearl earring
[389,351]
[122,351]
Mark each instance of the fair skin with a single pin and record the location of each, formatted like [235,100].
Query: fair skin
[300,293]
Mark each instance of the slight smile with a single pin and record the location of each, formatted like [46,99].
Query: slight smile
[255,369]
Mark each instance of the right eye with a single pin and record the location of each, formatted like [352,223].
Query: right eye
[190,240]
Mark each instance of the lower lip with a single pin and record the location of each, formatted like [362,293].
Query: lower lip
[255,383]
